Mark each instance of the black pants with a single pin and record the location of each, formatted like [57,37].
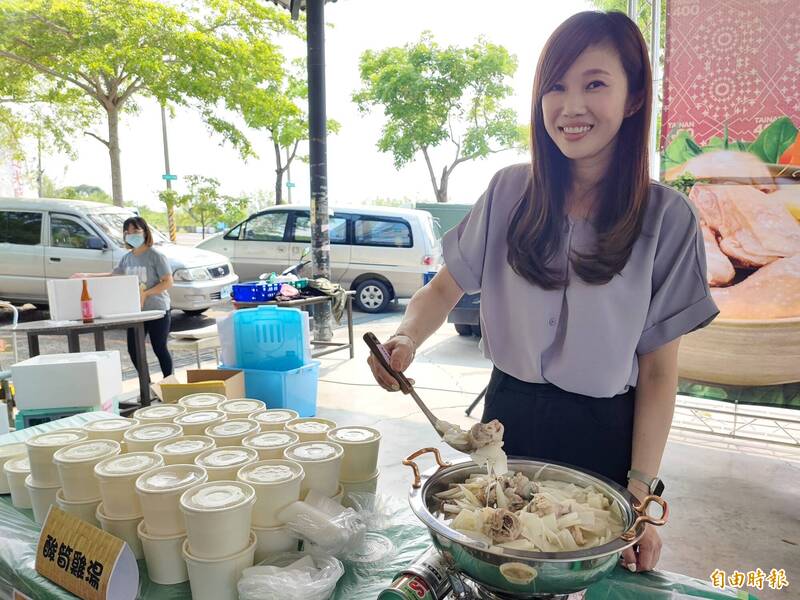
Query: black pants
[544,422]
[157,331]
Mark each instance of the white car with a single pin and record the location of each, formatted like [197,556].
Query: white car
[43,239]
[381,253]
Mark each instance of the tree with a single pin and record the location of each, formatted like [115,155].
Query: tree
[206,56]
[431,95]
[644,17]
[206,205]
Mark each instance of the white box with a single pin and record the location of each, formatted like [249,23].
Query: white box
[67,380]
[110,296]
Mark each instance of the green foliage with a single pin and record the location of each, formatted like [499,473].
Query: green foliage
[773,141]
[680,149]
[644,18]
[207,206]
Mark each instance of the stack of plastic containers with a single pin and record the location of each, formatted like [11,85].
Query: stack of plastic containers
[271,345]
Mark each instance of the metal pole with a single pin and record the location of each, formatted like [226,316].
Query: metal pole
[318,168]
[633,10]
[655,66]
[173,234]
[288,178]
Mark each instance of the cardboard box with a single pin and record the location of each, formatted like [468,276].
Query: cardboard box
[110,296]
[67,380]
[228,382]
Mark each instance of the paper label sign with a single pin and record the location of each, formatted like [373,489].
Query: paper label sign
[85,560]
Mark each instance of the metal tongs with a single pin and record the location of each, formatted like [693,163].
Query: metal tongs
[441,427]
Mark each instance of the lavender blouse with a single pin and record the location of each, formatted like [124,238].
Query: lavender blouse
[584,338]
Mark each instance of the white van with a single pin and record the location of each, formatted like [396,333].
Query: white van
[43,239]
[381,253]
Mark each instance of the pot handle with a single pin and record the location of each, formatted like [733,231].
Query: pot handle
[643,517]
[409,462]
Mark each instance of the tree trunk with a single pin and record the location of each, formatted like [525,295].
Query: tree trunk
[278,175]
[441,190]
[114,154]
[39,170]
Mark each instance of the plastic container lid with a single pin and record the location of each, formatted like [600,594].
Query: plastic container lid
[127,465]
[374,548]
[153,431]
[242,406]
[9,450]
[115,424]
[232,428]
[199,416]
[311,425]
[60,437]
[30,483]
[271,439]
[87,451]
[164,411]
[314,451]
[268,472]
[276,415]
[201,400]
[217,495]
[18,465]
[170,478]
[354,435]
[185,445]
[223,458]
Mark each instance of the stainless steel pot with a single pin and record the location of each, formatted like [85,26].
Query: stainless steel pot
[517,573]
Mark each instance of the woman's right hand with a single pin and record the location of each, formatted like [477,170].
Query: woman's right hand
[401,350]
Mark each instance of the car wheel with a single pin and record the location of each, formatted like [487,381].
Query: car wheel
[195,312]
[372,296]
[463,329]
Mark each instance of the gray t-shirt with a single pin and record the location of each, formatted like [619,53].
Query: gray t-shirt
[583,338]
[150,266]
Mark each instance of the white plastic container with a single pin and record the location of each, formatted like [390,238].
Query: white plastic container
[275,419]
[41,499]
[41,449]
[338,495]
[231,432]
[277,484]
[17,470]
[217,518]
[163,556]
[216,579]
[109,429]
[143,438]
[86,511]
[368,485]
[160,491]
[159,413]
[203,401]
[222,464]
[75,466]
[361,446]
[321,462]
[124,528]
[311,429]
[270,444]
[183,450]
[196,422]
[7,452]
[274,539]
[241,408]
[117,477]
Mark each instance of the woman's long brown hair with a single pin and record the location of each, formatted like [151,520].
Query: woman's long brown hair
[535,233]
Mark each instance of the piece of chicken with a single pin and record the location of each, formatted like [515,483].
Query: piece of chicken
[772,292]
[720,269]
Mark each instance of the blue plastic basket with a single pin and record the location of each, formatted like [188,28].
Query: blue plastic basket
[261,291]
[295,388]
[271,338]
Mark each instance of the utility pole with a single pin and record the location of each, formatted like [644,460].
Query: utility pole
[655,67]
[289,182]
[173,233]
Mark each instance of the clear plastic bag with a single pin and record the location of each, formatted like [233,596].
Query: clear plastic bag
[336,535]
[309,577]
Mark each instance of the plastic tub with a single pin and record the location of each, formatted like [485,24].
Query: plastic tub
[361,447]
[321,462]
[117,477]
[109,429]
[368,485]
[270,540]
[196,422]
[158,413]
[217,518]
[275,419]
[222,464]
[276,483]
[183,450]
[163,556]
[270,444]
[41,449]
[86,511]
[17,470]
[270,337]
[232,432]
[143,438]
[217,579]
[295,389]
[41,499]
[203,401]
[7,452]
[311,429]
[242,408]
[160,491]
[75,466]
[124,528]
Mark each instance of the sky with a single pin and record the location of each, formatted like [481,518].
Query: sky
[357,171]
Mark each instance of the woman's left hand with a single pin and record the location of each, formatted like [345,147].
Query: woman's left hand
[142,297]
[644,555]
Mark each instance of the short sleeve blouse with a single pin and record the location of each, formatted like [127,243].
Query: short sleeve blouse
[583,338]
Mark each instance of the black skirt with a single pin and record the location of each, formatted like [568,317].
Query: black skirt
[544,422]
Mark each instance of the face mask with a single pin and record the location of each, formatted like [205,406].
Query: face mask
[134,239]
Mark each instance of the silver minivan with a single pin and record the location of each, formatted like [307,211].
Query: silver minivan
[381,253]
[43,239]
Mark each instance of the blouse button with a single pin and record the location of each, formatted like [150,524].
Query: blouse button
[552,322]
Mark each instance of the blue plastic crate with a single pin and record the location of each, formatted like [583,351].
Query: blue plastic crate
[261,291]
[295,388]
[271,338]
[427,276]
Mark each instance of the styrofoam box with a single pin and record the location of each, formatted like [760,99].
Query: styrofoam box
[60,380]
[110,296]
